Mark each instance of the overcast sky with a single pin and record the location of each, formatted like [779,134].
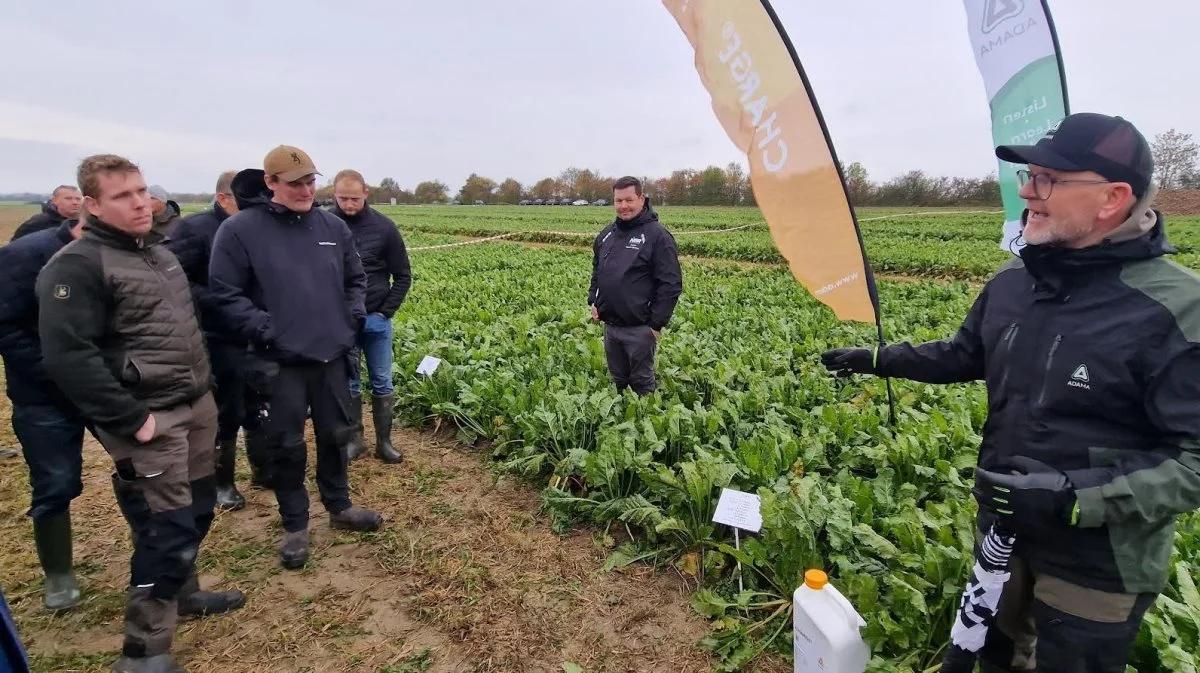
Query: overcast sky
[522,88]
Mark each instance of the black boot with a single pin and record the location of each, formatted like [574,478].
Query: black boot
[149,633]
[355,518]
[381,413]
[196,603]
[228,497]
[52,535]
[356,446]
[293,549]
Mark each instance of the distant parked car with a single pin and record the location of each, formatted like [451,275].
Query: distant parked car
[600,202]
[579,202]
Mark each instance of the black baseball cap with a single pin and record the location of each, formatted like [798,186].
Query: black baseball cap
[1087,141]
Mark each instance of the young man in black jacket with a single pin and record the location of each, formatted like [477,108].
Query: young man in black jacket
[389,276]
[636,283]
[286,277]
[45,422]
[1089,343]
[121,340]
[192,243]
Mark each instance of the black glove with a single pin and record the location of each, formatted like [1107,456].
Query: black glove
[847,361]
[1026,493]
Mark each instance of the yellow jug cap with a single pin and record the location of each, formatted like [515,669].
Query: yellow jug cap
[815,579]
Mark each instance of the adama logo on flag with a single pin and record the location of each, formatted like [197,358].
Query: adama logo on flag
[996,12]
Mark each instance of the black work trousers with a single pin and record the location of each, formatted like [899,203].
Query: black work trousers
[288,391]
[630,353]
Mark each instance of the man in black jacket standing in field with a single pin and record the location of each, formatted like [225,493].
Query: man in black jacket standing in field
[1089,344]
[192,243]
[63,205]
[286,276]
[389,276]
[121,339]
[48,426]
[636,283]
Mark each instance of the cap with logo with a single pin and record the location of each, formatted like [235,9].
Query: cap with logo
[1087,141]
[288,163]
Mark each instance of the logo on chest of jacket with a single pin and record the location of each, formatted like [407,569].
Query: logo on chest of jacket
[636,242]
[62,291]
[1080,378]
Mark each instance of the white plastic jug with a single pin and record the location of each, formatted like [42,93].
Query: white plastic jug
[826,629]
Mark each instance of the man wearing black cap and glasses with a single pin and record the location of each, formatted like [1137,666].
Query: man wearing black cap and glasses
[1089,344]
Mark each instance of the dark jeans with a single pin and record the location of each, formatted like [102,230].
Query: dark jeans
[1047,624]
[229,363]
[630,352]
[52,442]
[292,389]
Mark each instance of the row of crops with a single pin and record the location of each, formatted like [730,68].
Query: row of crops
[947,244]
[743,403]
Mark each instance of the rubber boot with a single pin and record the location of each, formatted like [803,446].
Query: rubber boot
[293,549]
[149,632]
[193,602]
[228,497]
[256,446]
[355,518]
[52,535]
[356,446]
[381,414]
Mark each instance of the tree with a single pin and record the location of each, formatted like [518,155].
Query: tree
[1191,180]
[509,192]
[431,191]
[736,184]
[389,185]
[1174,157]
[546,188]
[710,188]
[477,188]
[858,183]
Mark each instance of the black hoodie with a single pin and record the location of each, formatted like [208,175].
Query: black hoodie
[192,243]
[290,283]
[1091,358]
[636,278]
[49,218]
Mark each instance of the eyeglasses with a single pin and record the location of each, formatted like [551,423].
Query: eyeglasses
[1043,183]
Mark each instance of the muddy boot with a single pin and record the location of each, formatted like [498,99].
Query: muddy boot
[149,632]
[355,518]
[196,603]
[228,497]
[381,413]
[52,535]
[356,446]
[293,549]
[256,455]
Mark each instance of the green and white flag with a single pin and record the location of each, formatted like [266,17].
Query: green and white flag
[1017,52]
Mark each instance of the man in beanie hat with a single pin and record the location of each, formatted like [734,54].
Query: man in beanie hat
[166,212]
[1089,344]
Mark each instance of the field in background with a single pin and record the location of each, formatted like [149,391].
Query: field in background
[553,564]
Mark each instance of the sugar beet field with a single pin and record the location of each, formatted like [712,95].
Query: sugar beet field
[541,522]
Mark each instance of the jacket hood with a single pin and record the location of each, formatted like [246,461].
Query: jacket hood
[646,216]
[250,189]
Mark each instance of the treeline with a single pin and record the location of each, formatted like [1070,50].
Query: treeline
[711,186]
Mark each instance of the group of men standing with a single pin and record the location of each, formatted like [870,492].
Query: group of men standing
[163,336]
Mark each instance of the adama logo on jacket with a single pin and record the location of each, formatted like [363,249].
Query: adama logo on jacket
[1080,378]
[636,242]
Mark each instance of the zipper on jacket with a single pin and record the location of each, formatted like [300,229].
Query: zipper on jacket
[1009,339]
[1046,374]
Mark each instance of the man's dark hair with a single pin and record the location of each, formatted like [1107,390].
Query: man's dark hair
[59,188]
[628,181]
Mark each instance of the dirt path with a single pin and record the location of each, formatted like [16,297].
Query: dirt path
[465,576]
